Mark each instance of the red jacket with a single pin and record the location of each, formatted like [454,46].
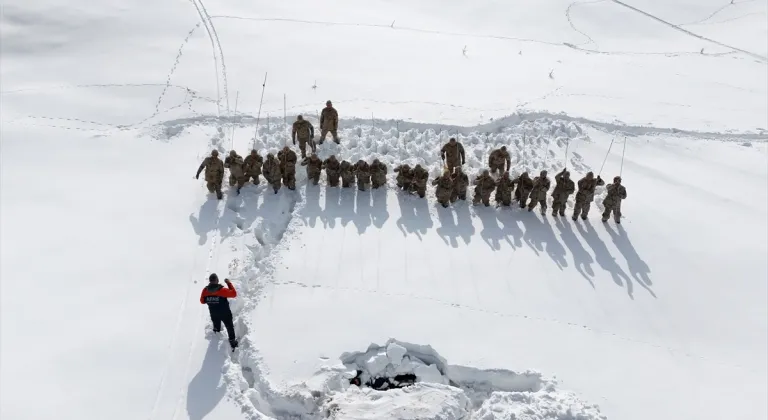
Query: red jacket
[216,295]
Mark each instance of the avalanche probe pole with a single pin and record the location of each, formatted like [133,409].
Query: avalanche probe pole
[622,156]
[606,157]
[567,145]
[263,86]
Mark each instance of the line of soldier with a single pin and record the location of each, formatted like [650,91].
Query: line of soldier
[450,186]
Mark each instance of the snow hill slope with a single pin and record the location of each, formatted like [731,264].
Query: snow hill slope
[106,239]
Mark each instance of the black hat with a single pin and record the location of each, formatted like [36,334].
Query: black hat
[213,278]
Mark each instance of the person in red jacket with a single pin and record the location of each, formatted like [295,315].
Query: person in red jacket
[216,297]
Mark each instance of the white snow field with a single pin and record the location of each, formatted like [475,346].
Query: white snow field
[106,239]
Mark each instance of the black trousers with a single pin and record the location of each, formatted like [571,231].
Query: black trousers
[225,318]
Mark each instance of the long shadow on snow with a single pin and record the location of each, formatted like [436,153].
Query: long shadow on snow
[604,258]
[254,202]
[206,220]
[207,388]
[414,215]
[537,233]
[491,233]
[450,230]
[637,267]
[347,204]
[582,259]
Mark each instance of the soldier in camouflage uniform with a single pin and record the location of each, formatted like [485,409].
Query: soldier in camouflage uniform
[612,201]
[460,184]
[331,166]
[444,188]
[363,173]
[585,195]
[404,177]
[214,173]
[329,121]
[452,154]
[484,186]
[271,171]
[287,158]
[504,188]
[235,164]
[304,130]
[378,174]
[314,167]
[541,185]
[347,174]
[564,187]
[524,185]
[420,179]
[252,167]
[498,159]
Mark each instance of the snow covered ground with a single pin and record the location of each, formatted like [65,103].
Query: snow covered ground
[106,239]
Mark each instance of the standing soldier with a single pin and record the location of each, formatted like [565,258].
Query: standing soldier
[460,184]
[484,186]
[612,201]
[541,185]
[419,183]
[524,186]
[504,190]
[271,171]
[564,187]
[444,188]
[304,130]
[363,172]
[314,167]
[498,159]
[404,176]
[329,121]
[235,164]
[585,195]
[252,168]
[347,174]
[331,166]
[378,174]
[287,158]
[452,154]
[214,173]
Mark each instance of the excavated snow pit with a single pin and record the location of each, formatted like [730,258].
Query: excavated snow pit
[406,381]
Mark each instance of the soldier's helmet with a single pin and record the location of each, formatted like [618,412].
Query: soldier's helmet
[214,153]
[375,161]
[453,140]
[505,174]
[590,175]
[270,156]
[328,103]
[524,174]
[232,153]
[567,175]
[543,173]
[617,179]
[504,148]
[254,152]
[300,118]
[486,172]
[313,155]
[333,157]
[418,166]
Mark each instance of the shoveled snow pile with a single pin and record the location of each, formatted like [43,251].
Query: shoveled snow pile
[446,391]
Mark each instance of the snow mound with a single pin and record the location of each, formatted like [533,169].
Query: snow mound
[420,401]
[489,394]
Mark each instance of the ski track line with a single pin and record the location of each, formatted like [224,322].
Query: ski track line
[522,317]
[221,53]
[762,58]
[180,319]
[215,60]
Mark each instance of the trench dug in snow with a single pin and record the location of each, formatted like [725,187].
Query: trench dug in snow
[405,381]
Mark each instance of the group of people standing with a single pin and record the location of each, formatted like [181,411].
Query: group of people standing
[280,170]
